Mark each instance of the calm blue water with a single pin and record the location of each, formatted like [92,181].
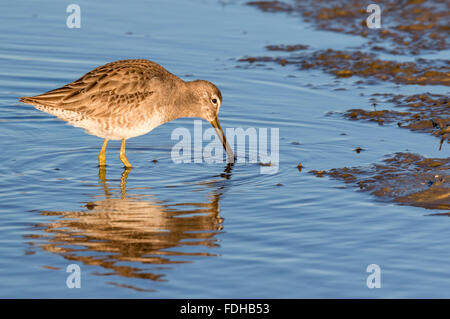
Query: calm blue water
[200,230]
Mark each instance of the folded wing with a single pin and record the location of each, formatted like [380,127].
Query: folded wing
[106,91]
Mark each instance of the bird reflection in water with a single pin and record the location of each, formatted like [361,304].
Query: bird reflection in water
[136,236]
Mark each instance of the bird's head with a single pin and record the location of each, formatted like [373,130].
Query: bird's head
[208,102]
[208,99]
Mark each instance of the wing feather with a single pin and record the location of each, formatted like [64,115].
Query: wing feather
[107,90]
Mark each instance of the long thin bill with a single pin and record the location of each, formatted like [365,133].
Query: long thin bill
[215,123]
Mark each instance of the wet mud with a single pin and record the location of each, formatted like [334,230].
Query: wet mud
[407,27]
[344,64]
[427,113]
[405,178]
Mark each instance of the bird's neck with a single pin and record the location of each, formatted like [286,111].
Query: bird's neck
[185,101]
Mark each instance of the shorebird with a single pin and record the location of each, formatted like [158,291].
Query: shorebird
[129,98]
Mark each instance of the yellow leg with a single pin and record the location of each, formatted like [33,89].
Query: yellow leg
[101,156]
[122,155]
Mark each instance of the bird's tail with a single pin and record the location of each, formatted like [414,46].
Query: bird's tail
[35,101]
[26,99]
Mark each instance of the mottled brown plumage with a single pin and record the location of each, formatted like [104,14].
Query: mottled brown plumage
[128,98]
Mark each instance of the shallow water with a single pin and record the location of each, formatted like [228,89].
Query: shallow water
[200,230]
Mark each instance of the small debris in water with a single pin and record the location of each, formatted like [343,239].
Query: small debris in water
[90,205]
[317,173]
[287,48]
[271,6]
[265,164]
[51,267]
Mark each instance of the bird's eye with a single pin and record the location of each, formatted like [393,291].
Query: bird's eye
[214,101]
